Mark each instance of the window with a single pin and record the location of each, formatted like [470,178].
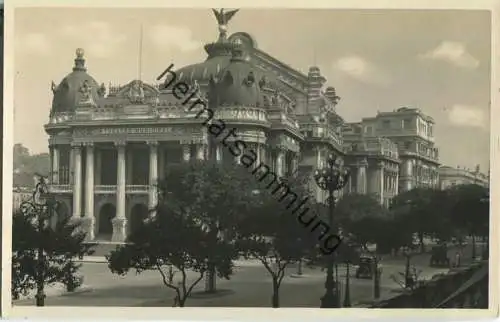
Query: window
[386,124]
[406,123]
[407,145]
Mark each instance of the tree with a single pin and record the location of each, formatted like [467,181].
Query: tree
[58,245]
[362,217]
[469,210]
[272,234]
[216,194]
[421,205]
[192,228]
[398,232]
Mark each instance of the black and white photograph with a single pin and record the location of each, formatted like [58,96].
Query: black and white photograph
[249,157]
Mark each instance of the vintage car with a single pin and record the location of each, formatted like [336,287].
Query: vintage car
[366,266]
[439,256]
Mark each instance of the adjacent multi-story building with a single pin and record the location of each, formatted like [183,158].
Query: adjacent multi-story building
[412,132]
[449,176]
[109,145]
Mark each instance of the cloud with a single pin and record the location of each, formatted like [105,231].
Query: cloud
[34,43]
[166,37]
[361,69]
[470,116]
[454,53]
[96,37]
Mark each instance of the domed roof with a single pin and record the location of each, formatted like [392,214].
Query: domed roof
[76,89]
[241,83]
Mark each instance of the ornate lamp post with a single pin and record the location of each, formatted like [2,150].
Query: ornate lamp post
[41,206]
[332,178]
[376,278]
[347,295]
[408,278]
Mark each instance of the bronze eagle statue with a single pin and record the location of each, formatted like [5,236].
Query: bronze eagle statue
[224,17]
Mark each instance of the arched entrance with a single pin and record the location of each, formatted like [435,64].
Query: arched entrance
[138,213]
[106,214]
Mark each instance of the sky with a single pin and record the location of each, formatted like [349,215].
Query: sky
[378,60]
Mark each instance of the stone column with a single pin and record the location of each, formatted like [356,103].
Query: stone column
[295,164]
[218,153]
[361,176]
[396,182]
[120,221]
[55,164]
[262,154]
[161,161]
[77,180]
[88,219]
[407,175]
[380,180]
[186,152]
[319,162]
[200,151]
[98,165]
[153,173]
[280,158]
[256,148]
[71,166]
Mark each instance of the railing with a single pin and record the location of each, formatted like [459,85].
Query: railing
[137,189]
[323,132]
[105,189]
[168,112]
[458,289]
[60,188]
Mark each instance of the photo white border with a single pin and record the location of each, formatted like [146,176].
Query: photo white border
[247,313]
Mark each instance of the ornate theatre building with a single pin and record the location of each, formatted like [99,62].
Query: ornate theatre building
[109,145]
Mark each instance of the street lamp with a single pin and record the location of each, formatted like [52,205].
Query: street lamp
[41,206]
[332,178]
[376,278]
[347,295]
[409,282]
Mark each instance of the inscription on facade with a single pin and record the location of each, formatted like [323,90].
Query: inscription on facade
[137,130]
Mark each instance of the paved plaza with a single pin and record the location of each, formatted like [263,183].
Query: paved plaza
[250,286]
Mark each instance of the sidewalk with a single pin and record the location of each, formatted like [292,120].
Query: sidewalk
[56,289]
[102,260]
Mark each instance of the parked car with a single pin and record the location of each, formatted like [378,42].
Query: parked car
[366,266]
[439,256]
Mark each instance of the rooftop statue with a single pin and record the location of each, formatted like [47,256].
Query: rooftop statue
[223,19]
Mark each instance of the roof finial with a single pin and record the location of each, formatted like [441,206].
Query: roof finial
[223,19]
[79,60]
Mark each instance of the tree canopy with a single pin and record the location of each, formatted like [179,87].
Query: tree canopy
[60,245]
[192,228]
[272,233]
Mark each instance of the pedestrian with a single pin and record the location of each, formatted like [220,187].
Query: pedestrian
[457,259]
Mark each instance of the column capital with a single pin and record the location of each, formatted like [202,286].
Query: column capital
[362,162]
[76,145]
[120,143]
[380,164]
[152,143]
[88,144]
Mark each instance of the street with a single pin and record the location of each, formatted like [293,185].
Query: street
[250,286]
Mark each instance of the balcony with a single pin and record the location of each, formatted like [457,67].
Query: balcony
[111,189]
[61,188]
[105,189]
[137,189]
[322,133]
